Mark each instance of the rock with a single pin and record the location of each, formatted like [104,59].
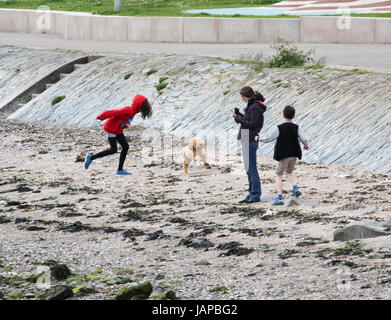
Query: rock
[60,271]
[1,295]
[362,229]
[169,295]
[133,232]
[80,158]
[293,201]
[35,228]
[228,245]
[82,290]
[287,253]
[160,277]
[156,235]
[57,293]
[141,291]
[203,263]
[237,251]
[369,210]
[350,207]
[196,242]
[4,219]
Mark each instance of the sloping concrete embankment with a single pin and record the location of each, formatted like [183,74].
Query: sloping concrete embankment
[307,29]
[347,116]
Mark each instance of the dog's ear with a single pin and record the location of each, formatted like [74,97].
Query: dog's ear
[191,144]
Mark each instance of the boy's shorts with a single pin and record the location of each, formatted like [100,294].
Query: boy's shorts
[286,165]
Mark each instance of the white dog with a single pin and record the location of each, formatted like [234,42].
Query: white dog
[193,151]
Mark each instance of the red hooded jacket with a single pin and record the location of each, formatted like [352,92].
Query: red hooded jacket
[118,116]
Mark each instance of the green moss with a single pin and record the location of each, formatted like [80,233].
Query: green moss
[96,272]
[78,278]
[314,66]
[169,295]
[141,291]
[34,277]
[161,86]
[152,71]
[355,70]
[127,76]
[57,99]
[82,290]
[13,295]
[123,270]
[162,79]
[219,289]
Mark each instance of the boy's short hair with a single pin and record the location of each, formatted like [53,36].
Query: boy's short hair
[289,112]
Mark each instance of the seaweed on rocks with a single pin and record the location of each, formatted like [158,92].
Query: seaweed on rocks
[133,232]
[4,219]
[197,243]
[237,251]
[228,245]
[157,235]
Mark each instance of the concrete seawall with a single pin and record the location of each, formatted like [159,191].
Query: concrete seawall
[307,29]
[346,115]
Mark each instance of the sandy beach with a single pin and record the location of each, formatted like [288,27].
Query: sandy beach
[185,234]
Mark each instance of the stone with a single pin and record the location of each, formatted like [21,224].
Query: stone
[133,232]
[156,235]
[196,242]
[57,293]
[229,245]
[82,290]
[293,201]
[361,230]
[169,295]
[60,271]
[238,251]
[141,291]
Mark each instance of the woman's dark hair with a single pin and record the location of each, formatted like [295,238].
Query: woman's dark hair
[146,110]
[289,112]
[249,93]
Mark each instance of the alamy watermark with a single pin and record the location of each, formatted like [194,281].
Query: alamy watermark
[44,279]
[44,20]
[344,22]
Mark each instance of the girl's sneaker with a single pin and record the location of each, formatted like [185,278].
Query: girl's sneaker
[123,172]
[296,192]
[88,160]
[278,201]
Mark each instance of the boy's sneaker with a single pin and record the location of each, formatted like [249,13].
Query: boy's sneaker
[88,160]
[278,202]
[296,192]
[123,172]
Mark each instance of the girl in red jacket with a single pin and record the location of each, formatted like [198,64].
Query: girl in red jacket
[118,120]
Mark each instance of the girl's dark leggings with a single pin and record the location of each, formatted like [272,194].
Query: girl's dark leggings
[113,149]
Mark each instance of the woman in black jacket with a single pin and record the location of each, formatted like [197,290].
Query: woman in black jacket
[251,123]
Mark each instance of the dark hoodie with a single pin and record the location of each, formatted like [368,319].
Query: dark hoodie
[252,119]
